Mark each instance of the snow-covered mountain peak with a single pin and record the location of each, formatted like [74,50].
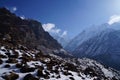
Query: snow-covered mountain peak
[85,35]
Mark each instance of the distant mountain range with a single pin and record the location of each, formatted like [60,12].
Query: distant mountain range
[84,36]
[101,43]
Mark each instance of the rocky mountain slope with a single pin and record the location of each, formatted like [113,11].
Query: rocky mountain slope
[27,32]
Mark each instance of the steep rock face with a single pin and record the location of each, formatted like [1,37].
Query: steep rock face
[105,47]
[30,33]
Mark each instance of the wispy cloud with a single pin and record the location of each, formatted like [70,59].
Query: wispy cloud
[51,28]
[114,19]
[14,9]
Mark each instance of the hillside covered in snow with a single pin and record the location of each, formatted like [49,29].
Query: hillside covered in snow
[20,63]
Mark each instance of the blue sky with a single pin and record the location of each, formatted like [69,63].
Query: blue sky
[66,17]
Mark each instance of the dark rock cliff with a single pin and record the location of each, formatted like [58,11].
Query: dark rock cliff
[27,32]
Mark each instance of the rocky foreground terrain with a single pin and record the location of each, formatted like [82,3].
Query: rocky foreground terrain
[20,63]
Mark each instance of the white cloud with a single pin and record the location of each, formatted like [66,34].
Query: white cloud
[113,19]
[57,30]
[64,34]
[52,29]
[48,27]
[14,9]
